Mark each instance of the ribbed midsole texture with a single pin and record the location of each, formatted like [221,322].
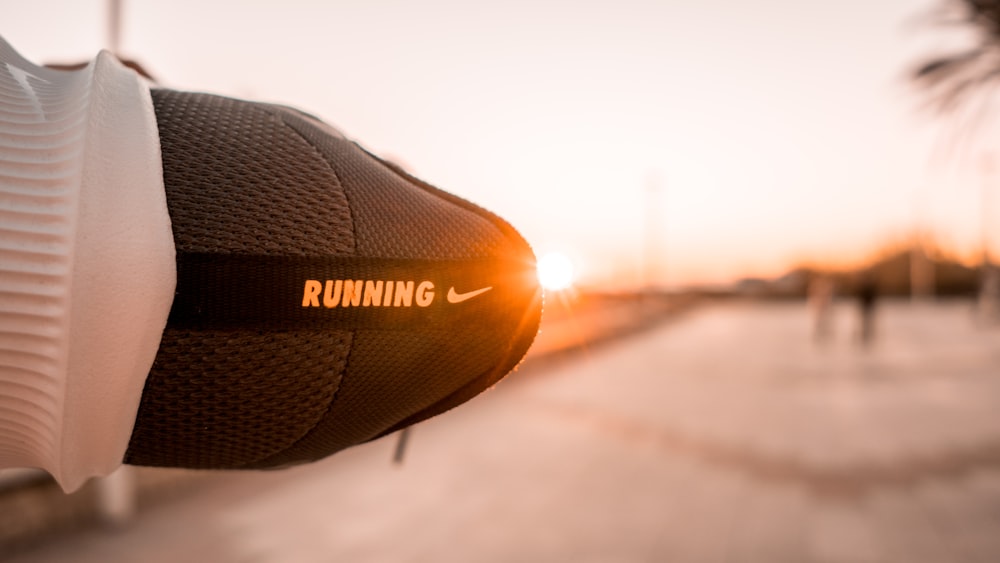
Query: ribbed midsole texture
[87,268]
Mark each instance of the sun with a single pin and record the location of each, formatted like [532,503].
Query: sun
[555,271]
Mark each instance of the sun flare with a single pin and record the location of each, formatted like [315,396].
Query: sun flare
[555,271]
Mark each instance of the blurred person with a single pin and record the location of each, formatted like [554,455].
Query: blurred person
[867,295]
[989,294]
[820,302]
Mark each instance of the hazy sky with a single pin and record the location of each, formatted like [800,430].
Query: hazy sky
[778,130]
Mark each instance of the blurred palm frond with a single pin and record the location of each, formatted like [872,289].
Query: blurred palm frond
[952,79]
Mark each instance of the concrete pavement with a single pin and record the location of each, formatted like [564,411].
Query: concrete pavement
[726,436]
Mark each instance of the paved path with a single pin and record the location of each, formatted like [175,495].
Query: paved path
[726,436]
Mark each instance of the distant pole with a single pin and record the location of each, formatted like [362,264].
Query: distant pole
[652,259]
[985,207]
[989,287]
[114,26]
[921,267]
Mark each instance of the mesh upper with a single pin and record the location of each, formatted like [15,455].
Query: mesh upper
[250,180]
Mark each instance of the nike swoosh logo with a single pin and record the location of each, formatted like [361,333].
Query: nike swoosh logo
[456,297]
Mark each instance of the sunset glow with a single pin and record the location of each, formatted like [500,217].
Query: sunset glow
[555,271]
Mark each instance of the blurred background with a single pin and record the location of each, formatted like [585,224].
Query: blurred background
[767,230]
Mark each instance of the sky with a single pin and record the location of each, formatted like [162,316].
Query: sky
[724,138]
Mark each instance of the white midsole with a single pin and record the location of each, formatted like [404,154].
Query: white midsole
[87,267]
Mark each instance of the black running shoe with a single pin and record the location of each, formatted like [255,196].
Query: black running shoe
[325,297]
[238,279]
